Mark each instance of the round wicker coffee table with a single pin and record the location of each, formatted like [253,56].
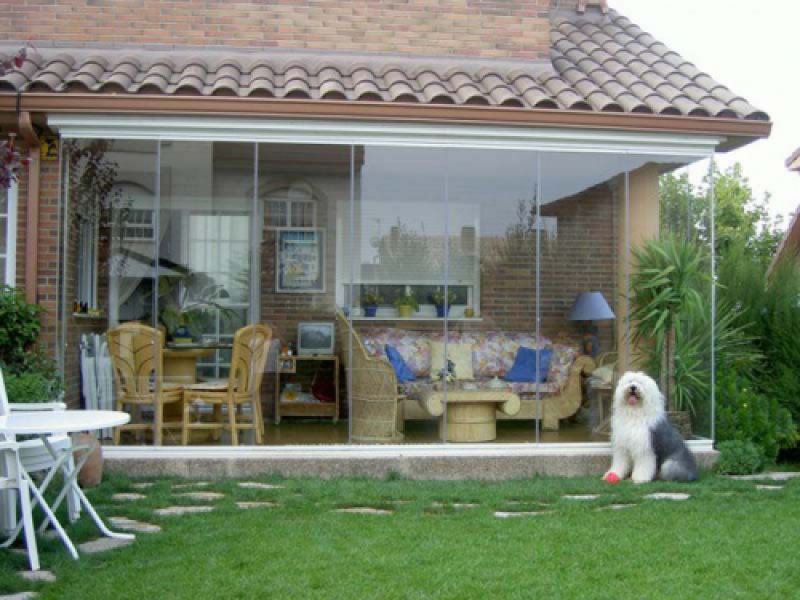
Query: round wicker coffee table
[469,415]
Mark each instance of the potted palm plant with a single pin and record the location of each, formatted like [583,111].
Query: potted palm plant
[666,288]
[185,304]
[443,301]
[406,305]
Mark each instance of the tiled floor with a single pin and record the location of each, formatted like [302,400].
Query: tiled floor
[300,431]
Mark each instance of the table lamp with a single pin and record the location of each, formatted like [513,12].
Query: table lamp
[589,307]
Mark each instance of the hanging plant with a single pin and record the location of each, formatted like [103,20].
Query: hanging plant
[11,159]
[94,195]
[11,162]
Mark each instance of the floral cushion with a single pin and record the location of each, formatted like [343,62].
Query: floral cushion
[493,352]
[413,347]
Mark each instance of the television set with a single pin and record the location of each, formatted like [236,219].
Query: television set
[315,338]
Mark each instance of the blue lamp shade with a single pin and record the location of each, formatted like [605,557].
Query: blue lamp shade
[591,306]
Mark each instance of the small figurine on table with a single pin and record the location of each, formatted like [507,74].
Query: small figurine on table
[446,374]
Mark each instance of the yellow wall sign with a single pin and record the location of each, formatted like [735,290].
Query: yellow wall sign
[48,148]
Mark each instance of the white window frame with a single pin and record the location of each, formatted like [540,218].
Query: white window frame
[279,197]
[127,225]
[10,251]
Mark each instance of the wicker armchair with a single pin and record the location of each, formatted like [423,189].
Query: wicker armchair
[376,412]
[250,349]
[138,363]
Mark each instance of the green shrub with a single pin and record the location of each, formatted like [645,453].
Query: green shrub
[739,458]
[746,415]
[31,387]
[771,313]
[19,327]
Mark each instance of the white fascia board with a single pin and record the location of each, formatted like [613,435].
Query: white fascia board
[312,131]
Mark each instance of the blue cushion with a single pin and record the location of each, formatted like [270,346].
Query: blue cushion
[524,369]
[400,367]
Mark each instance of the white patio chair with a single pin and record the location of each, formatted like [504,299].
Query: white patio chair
[36,458]
[13,482]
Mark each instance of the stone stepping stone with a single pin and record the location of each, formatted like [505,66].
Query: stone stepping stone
[126,524]
[783,475]
[769,487]
[103,544]
[616,507]
[182,510]
[256,485]
[505,514]
[580,497]
[186,486]
[772,475]
[249,505]
[20,596]
[46,576]
[668,496]
[204,496]
[128,497]
[142,485]
[364,510]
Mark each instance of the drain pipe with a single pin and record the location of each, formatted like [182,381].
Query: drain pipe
[32,212]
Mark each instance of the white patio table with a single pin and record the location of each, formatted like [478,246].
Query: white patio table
[45,424]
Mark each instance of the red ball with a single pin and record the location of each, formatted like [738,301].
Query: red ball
[611,478]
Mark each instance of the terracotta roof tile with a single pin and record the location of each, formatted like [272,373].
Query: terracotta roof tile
[598,62]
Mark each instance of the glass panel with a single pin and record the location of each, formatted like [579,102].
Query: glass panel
[304,191]
[671,341]
[3,233]
[491,204]
[95,275]
[582,210]
[395,258]
[204,250]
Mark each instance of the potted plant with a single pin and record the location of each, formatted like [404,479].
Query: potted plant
[442,301]
[370,303]
[406,305]
[186,303]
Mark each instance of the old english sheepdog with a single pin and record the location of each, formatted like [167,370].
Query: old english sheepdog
[645,443]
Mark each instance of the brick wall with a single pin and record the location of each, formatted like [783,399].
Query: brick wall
[486,28]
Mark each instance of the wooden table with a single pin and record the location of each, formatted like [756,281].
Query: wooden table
[288,365]
[180,366]
[469,415]
[180,360]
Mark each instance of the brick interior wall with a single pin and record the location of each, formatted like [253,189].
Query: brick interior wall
[518,29]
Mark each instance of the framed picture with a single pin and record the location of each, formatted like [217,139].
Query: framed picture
[301,261]
[315,338]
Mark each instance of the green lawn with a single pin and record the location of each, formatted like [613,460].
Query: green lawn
[729,540]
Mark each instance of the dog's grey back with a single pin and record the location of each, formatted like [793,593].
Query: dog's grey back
[674,460]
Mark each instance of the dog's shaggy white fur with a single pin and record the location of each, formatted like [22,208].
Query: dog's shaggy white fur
[644,442]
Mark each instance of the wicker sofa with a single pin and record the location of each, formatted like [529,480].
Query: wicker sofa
[493,354]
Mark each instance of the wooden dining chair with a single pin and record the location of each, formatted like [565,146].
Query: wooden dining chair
[243,387]
[137,357]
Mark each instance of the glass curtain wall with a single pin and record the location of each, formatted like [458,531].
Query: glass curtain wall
[303,197]
[395,252]
[490,296]
[466,276]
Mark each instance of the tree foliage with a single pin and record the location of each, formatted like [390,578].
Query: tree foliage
[741,218]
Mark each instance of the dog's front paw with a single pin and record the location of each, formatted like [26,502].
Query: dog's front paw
[641,479]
